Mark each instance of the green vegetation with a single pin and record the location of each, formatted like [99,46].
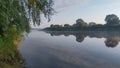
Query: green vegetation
[15,16]
[112,23]
[18,13]
[112,20]
[9,55]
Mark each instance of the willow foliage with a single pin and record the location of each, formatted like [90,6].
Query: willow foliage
[18,13]
[15,16]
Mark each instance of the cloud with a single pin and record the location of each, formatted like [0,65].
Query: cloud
[66,4]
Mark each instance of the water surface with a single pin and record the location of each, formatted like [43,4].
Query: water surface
[71,49]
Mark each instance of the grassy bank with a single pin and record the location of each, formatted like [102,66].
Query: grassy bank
[9,54]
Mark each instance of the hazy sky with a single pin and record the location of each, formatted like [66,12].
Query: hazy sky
[88,10]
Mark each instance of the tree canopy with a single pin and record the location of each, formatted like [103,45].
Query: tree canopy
[79,22]
[112,23]
[16,14]
[112,19]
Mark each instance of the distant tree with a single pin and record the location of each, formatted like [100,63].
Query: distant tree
[84,24]
[51,25]
[92,23]
[112,20]
[66,25]
[80,22]
[57,26]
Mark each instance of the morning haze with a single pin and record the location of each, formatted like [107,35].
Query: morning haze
[59,34]
[68,11]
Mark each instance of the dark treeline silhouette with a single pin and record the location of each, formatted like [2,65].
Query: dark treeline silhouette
[112,23]
[112,38]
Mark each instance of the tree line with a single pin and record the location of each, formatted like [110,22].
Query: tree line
[112,22]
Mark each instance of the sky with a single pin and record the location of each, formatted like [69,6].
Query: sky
[68,11]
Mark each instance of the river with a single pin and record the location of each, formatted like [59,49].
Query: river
[70,50]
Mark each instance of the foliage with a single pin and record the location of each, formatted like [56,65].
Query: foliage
[15,16]
[9,55]
[36,7]
[112,24]
[92,23]
[112,19]
[56,26]
[80,23]
[66,25]
[18,13]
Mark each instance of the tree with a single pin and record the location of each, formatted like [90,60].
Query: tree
[55,26]
[66,25]
[112,19]
[51,26]
[15,16]
[80,22]
[18,13]
[92,23]
[36,7]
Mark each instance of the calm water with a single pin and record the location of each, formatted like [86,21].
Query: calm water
[71,50]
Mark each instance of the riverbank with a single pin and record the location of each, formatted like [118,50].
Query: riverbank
[85,28]
[10,57]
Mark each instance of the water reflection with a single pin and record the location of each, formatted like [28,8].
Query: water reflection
[40,50]
[111,42]
[80,38]
[112,38]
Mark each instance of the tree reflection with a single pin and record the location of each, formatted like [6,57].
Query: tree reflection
[112,39]
[111,42]
[79,38]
